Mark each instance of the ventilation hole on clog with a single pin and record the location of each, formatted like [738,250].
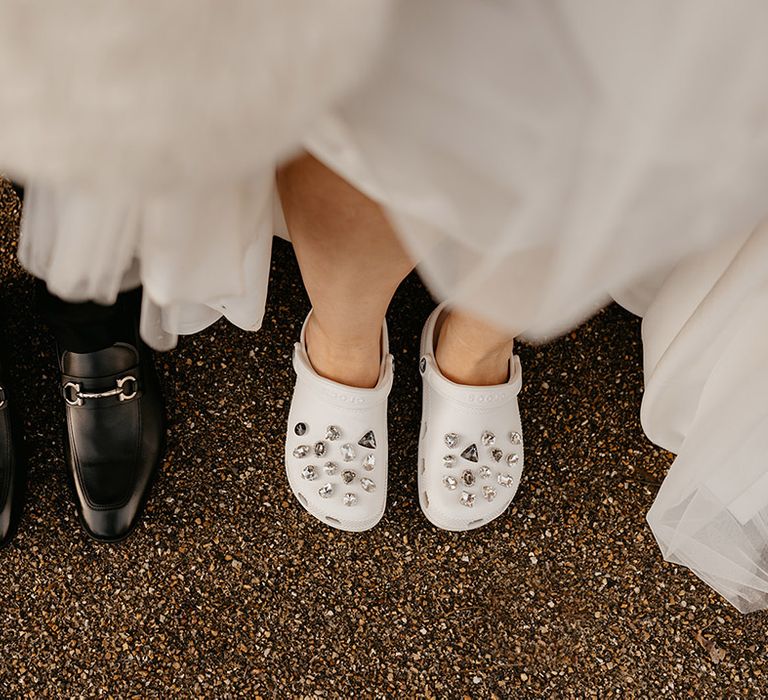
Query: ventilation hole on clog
[426,500]
[475,522]
[333,520]
[423,465]
[424,430]
[303,500]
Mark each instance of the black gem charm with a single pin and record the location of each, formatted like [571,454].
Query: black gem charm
[470,454]
[300,428]
[368,440]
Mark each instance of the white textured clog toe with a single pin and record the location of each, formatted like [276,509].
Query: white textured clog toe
[336,444]
[470,447]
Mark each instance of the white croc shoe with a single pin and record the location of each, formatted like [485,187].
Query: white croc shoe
[336,444]
[471,443]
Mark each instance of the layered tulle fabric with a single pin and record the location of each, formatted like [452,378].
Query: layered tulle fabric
[198,253]
[534,157]
[159,95]
[706,399]
[572,150]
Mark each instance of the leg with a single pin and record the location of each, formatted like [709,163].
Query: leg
[351,263]
[88,327]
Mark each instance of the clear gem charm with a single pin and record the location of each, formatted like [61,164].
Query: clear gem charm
[326,490]
[505,480]
[367,484]
[348,452]
[467,499]
[369,462]
[449,461]
[368,440]
[497,454]
[301,451]
[319,448]
[487,438]
[512,459]
[309,472]
[485,473]
[451,439]
[515,438]
[467,477]
[330,468]
[470,454]
[300,428]
[332,433]
[350,499]
[347,476]
[489,493]
[450,482]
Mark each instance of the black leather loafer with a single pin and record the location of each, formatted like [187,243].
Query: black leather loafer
[12,477]
[115,434]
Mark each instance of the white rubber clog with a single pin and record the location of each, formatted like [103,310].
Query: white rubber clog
[471,444]
[336,444]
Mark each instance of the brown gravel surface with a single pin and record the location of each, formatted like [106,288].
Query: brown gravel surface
[228,588]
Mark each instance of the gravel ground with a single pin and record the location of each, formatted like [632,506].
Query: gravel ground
[228,588]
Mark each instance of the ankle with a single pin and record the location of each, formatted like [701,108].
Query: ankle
[352,361]
[472,358]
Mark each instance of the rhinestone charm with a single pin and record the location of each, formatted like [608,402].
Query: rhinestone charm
[470,454]
[300,428]
[320,448]
[347,476]
[485,473]
[348,452]
[450,482]
[330,468]
[467,477]
[489,493]
[512,459]
[368,440]
[326,490]
[369,462]
[332,432]
[505,480]
[467,499]
[309,472]
[497,454]
[515,438]
[449,461]
[367,484]
[301,451]
[451,439]
[487,438]
[350,499]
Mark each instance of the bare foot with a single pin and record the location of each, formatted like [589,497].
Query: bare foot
[471,352]
[353,363]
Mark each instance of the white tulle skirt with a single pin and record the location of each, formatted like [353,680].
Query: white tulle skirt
[199,254]
[536,158]
[706,399]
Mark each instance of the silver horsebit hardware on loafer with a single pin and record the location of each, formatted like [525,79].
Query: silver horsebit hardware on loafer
[75,397]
